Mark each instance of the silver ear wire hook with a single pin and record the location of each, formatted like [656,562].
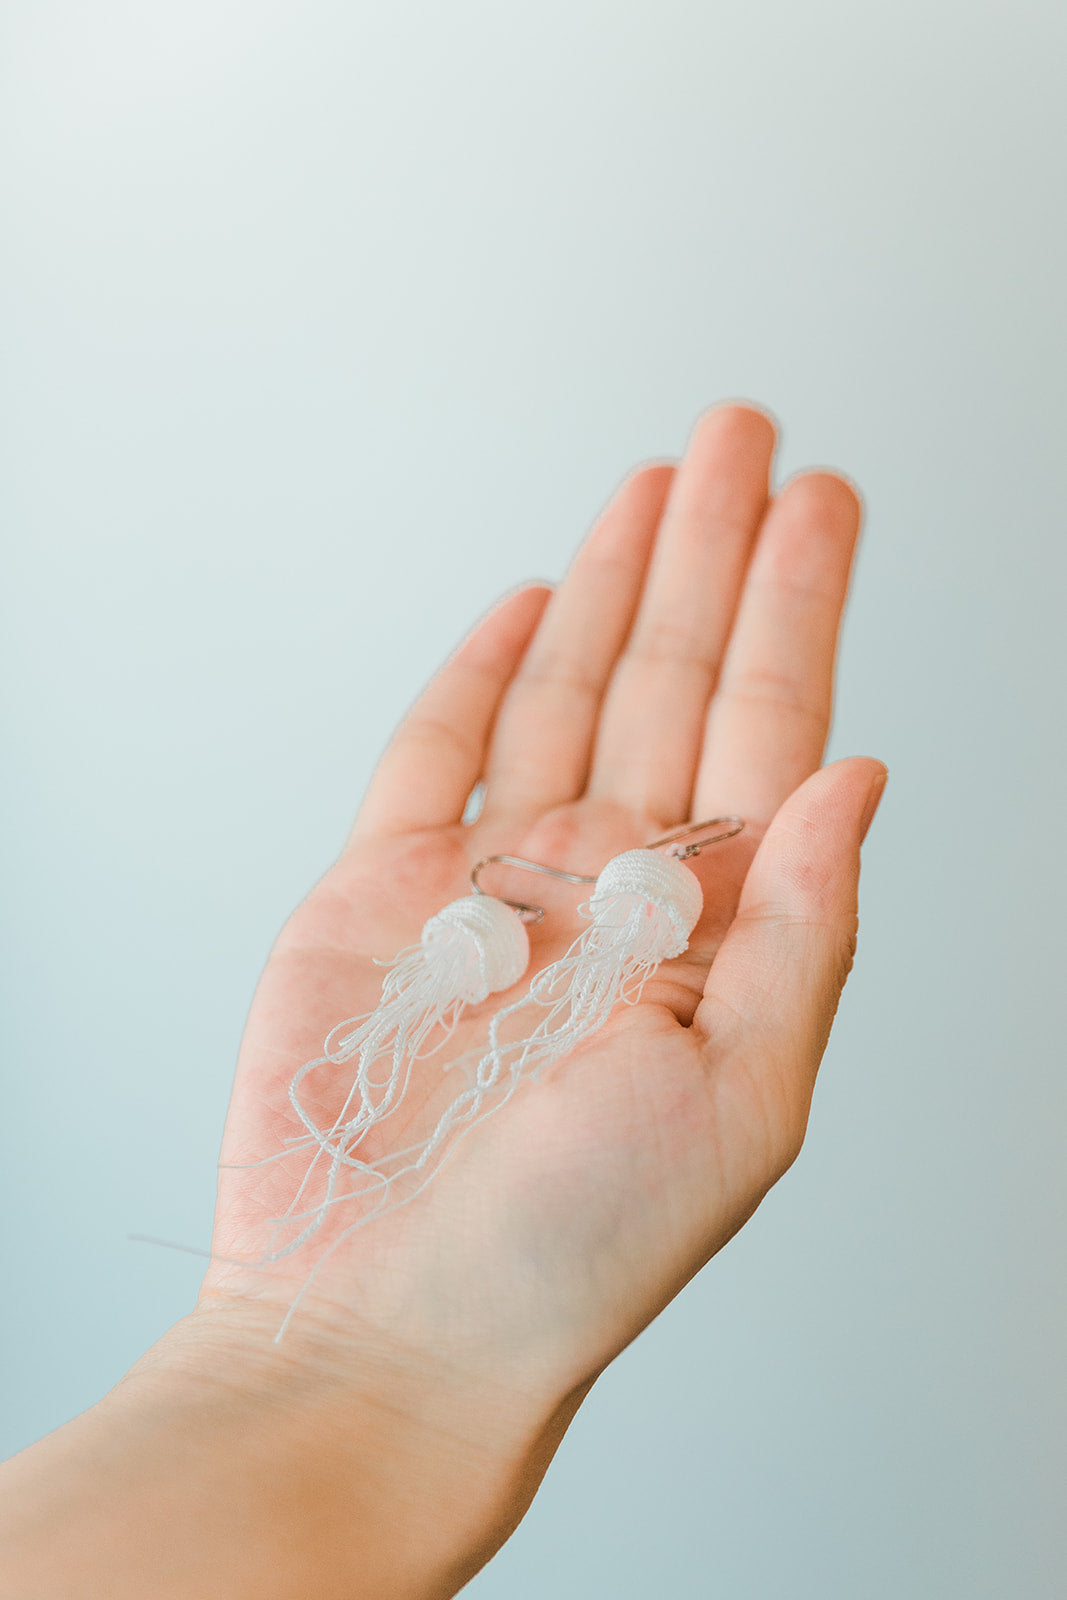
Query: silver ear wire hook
[528,913]
[683,852]
[680,852]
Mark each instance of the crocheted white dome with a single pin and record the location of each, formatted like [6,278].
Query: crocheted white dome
[494,943]
[660,882]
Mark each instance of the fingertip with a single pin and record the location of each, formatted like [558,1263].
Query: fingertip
[743,423]
[831,486]
[508,625]
[540,587]
[839,792]
[650,473]
[879,780]
[525,603]
[811,849]
[857,774]
[642,494]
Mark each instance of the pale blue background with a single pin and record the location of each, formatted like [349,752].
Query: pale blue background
[322,324]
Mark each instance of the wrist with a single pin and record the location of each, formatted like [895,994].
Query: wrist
[412,1471]
[224,1463]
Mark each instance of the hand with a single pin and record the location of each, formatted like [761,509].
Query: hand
[683,669]
[393,1439]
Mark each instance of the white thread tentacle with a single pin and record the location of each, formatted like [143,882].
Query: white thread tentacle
[474,947]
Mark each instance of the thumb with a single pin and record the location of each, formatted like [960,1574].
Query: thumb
[774,985]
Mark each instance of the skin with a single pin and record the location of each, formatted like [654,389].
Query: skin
[394,1437]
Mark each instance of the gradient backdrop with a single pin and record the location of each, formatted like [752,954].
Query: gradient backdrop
[322,324]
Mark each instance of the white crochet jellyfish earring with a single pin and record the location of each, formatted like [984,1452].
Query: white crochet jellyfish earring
[476,946]
[643,909]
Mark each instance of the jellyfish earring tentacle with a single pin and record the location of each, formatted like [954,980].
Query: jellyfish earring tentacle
[474,947]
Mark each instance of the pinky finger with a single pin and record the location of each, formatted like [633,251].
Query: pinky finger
[436,756]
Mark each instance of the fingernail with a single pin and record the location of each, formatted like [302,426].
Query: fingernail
[874,795]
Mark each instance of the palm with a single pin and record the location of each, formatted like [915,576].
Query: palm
[682,670]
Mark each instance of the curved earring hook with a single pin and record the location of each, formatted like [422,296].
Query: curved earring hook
[680,852]
[528,913]
[683,852]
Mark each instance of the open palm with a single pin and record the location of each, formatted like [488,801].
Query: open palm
[682,670]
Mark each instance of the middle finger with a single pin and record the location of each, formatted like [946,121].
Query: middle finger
[649,736]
